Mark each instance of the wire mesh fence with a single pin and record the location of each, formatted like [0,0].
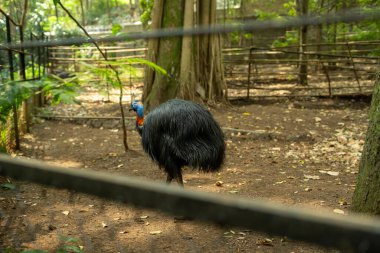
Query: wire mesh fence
[340,69]
[265,72]
[352,233]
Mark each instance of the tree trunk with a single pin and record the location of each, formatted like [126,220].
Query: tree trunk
[211,74]
[319,29]
[367,193]
[302,9]
[194,64]
[187,75]
[152,54]
[82,13]
[168,57]
[108,6]
[333,30]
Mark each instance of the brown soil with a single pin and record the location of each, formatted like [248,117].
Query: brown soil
[296,153]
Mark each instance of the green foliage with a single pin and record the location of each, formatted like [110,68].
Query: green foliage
[13,93]
[248,35]
[130,61]
[62,27]
[123,66]
[291,38]
[8,186]
[43,15]
[372,34]
[60,90]
[262,15]
[70,245]
[3,139]
[234,37]
[116,28]
[146,16]
[290,6]
[367,30]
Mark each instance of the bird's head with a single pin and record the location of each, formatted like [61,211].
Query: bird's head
[138,107]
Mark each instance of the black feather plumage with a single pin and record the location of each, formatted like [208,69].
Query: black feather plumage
[182,133]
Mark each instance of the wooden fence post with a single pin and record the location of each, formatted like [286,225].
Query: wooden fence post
[249,72]
[325,70]
[11,75]
[25,104]
[353,66]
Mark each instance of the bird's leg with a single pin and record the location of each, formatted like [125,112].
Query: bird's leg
[179,179]
[180,183]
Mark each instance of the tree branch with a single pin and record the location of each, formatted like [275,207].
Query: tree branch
[24,11]
[109,65]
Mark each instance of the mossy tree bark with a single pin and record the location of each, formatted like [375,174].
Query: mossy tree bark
[166,53]
[194,64]
[367,193]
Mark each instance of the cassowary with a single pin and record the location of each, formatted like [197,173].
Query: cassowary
[180,133]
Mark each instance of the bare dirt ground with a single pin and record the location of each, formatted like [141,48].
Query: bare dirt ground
[296,153]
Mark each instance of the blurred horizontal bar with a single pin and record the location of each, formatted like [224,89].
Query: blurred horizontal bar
[350,234]
[346,16]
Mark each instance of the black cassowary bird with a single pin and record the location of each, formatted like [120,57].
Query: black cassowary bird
[181,133]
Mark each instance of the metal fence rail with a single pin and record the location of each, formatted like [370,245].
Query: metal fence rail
[353,233]
[347,16]
[269,70]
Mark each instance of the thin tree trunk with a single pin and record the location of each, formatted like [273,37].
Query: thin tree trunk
[87,5]
[24,12]
[82,13]
[11,73]
[186,89]
[302,11]
[220,87]
[319,31]
[334,32]
[319,35]
[108,4]
[204,50]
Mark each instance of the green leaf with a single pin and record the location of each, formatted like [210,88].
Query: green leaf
[66,239]
[116,28]
[8,186]
[71,248]
[130,61]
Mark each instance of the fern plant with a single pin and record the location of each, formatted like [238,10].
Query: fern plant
[13,93]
